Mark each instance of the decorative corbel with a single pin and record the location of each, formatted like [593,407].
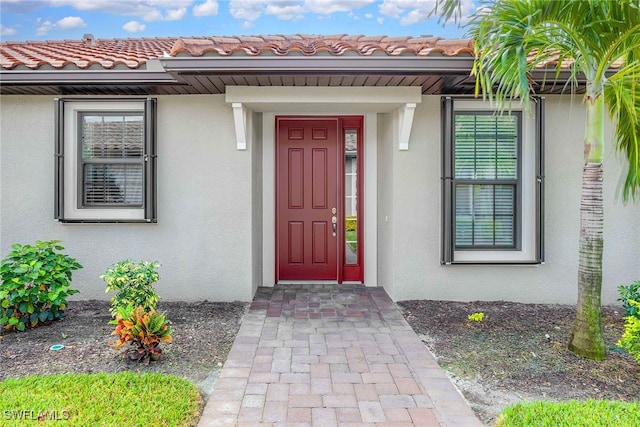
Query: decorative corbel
[405,122]
[240,120]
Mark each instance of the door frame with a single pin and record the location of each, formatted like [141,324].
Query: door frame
[345,272]
[265,184]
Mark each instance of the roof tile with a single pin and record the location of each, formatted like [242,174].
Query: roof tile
[133,53]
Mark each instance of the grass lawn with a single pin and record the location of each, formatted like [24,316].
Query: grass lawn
[588,413]
[351,237]
[121,399]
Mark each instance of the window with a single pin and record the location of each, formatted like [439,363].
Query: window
[492,184]
[105,160]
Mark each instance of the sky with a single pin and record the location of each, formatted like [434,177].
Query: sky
[22,20]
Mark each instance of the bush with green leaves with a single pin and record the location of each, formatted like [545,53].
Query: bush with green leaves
[133,284]
[143,330]
[630,292]
[351,223]
[630,340]
[35,284]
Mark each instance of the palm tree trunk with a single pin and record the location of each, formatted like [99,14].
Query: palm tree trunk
[586,338]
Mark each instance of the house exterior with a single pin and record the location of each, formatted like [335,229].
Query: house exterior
[239,162]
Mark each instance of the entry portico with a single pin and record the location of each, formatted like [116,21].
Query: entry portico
[305,102]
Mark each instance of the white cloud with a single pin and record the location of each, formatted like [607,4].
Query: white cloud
[152,15]
[410,12]
[120,7]
[291,10]
[44,27]
[148,10]
[7,31]
[134,27]
[368,15]
[285,12]
[249,10]
[208,8]
[328,7]
[21,6]
[391,8]
[176,14]
[67,23]
[70,23]
[415,17]
[380,21]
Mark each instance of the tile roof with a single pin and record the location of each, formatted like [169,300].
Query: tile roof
[133,53]
[83,54]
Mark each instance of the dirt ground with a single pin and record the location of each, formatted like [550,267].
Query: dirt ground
[517,353]
[202,336]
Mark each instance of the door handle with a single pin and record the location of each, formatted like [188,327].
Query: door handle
[334,222]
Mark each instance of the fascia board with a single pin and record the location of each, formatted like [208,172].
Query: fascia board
[317,64]
[34,77]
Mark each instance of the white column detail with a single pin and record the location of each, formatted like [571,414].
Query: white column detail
[240,114]
[405,123]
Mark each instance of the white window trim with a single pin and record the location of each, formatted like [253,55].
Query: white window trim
[530,242]
[71,212]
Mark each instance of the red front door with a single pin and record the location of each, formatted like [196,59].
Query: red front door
[307,199]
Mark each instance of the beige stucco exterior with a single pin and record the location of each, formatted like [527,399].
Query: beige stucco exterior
[203,237]
[215,206]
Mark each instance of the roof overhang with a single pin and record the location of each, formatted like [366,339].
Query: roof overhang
[326,65]
[151,73]
[83,77]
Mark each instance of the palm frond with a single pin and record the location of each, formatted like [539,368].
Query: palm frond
[592,39]
[447,10]
[622,96]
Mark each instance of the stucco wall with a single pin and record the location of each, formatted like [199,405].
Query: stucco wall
[203,234]
[255,148]
[209,236]
[414,271]
[386,150]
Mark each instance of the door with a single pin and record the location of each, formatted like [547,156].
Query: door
[307,204]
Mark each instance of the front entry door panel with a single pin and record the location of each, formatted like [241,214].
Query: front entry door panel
[307,198]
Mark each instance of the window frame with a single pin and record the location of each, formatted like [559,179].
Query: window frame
[529,227]
[68,200]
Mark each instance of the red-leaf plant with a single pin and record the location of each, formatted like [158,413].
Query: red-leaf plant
[143,330]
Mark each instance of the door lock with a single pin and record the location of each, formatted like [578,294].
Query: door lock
[334,224]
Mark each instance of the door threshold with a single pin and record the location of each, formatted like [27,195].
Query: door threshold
[307,282]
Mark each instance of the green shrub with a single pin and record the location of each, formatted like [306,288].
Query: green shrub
[143,330]
[630,340]
[35,284]
[630,292]
[133,284]
[351,223]
[476,317]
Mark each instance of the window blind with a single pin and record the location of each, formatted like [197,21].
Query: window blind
[112,159]
[486,178]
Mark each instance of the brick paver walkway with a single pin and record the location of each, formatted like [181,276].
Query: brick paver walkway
[331,355]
